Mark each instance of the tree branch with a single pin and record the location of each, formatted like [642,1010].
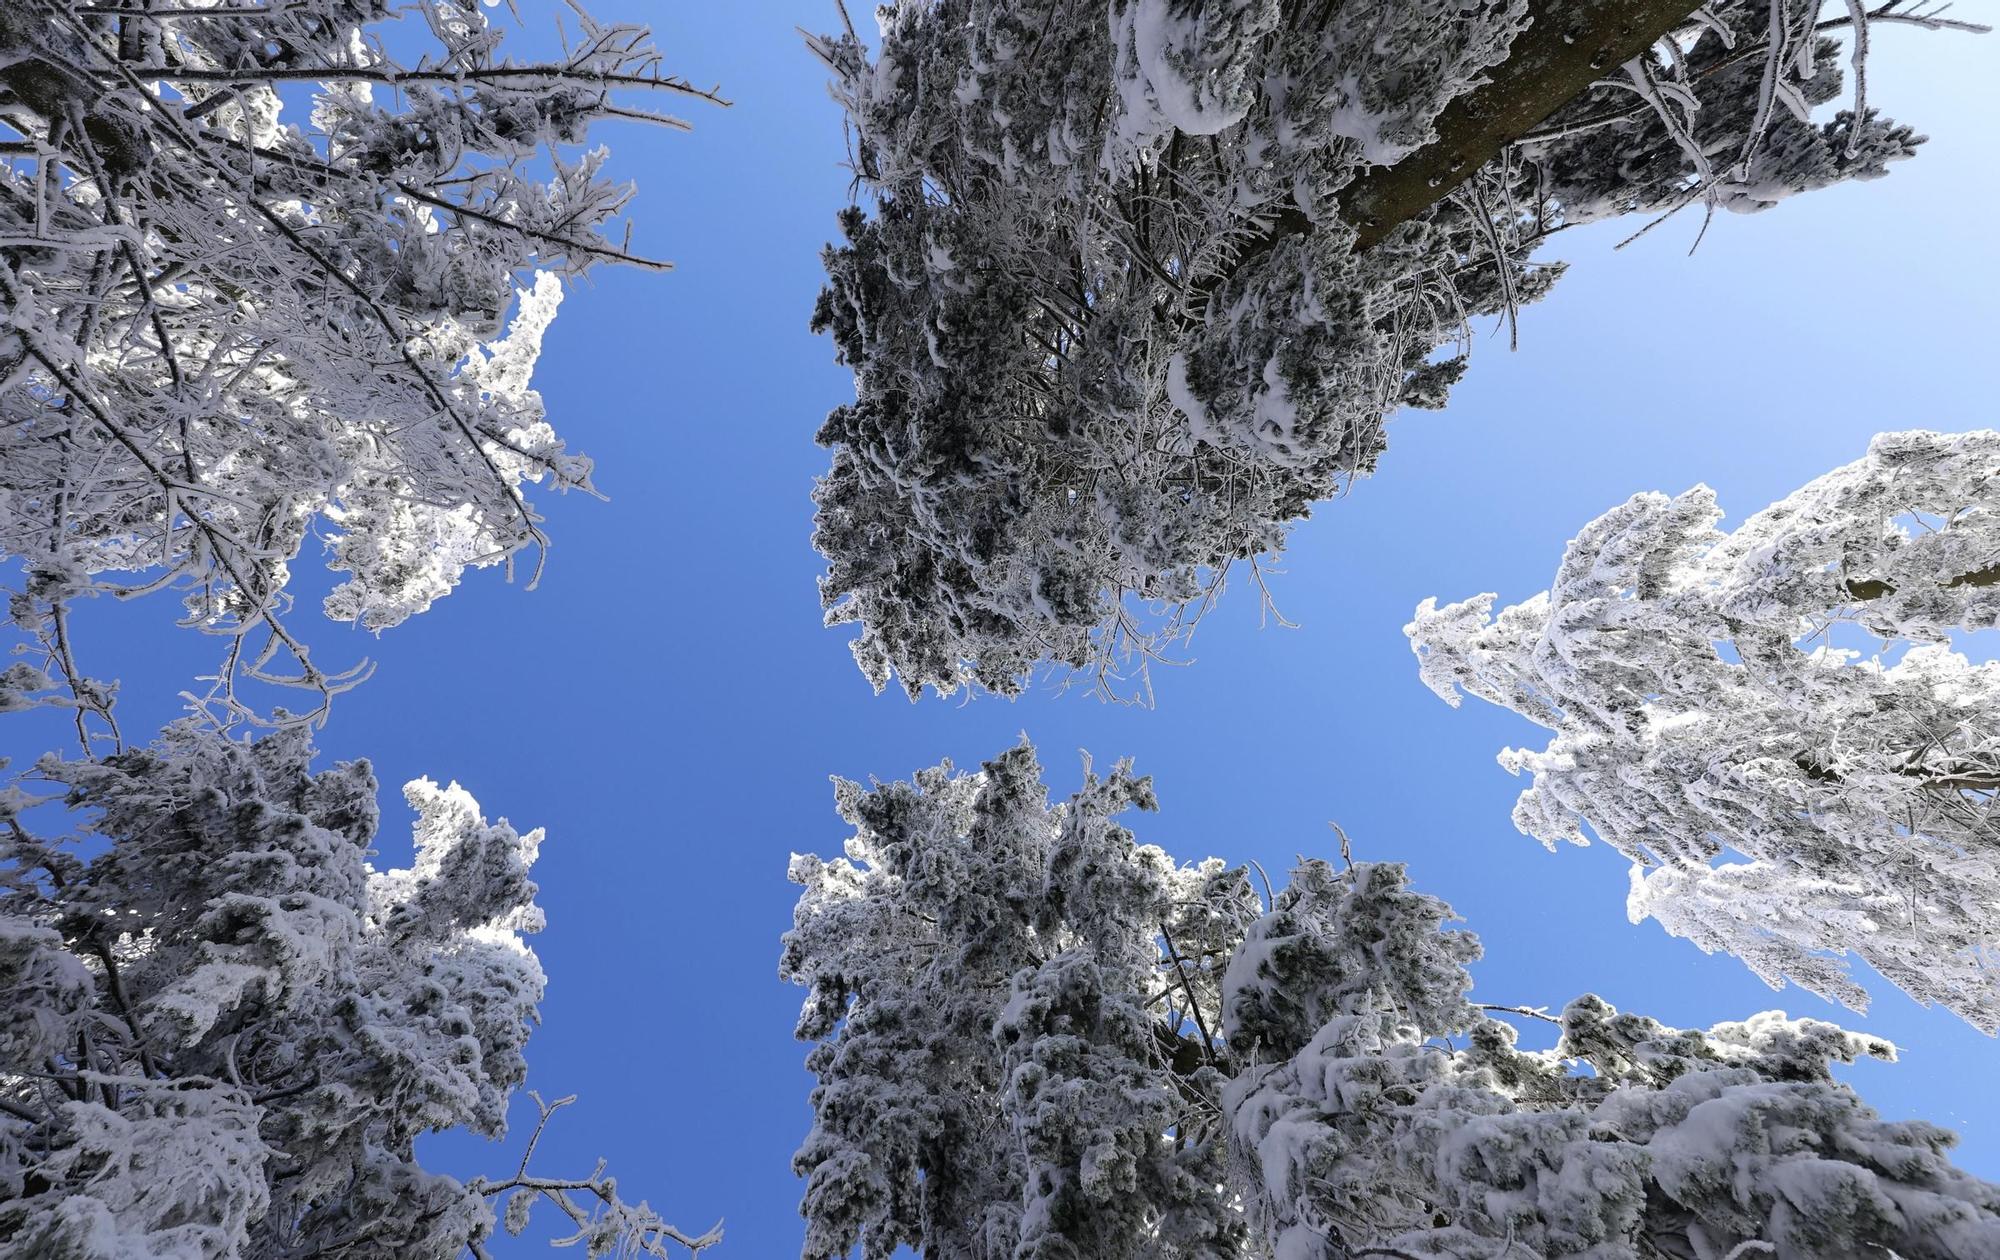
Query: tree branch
[526,75]
[1194,1006]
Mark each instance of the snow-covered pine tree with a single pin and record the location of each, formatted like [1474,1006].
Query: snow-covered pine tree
[1773,723]
[224,327]
[1142,280]
[221,1030]
[1041,1040]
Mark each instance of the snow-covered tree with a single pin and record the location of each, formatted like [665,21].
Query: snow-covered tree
[1041,1040]
[1773,724]
[1142,280]
[221,1030]
[226,329]
[983,981]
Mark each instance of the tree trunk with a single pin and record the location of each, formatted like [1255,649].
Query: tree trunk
[1568,45]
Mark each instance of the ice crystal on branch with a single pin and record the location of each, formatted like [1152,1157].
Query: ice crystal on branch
[1040,1038]
[1783,794]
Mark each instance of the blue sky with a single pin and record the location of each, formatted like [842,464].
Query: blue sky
[667,705]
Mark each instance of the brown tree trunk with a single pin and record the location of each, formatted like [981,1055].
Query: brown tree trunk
[1568,45]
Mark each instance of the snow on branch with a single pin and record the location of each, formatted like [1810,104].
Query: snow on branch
[605,1224]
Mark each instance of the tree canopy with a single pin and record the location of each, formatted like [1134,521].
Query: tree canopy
[1039,1038]
[1139,286]
[275,274]
[1774,723]
[1128,289]
[260,266]
[224,1030]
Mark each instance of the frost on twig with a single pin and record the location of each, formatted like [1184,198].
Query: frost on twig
[605,1224]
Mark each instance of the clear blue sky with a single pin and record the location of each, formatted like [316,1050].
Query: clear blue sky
[669,708]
